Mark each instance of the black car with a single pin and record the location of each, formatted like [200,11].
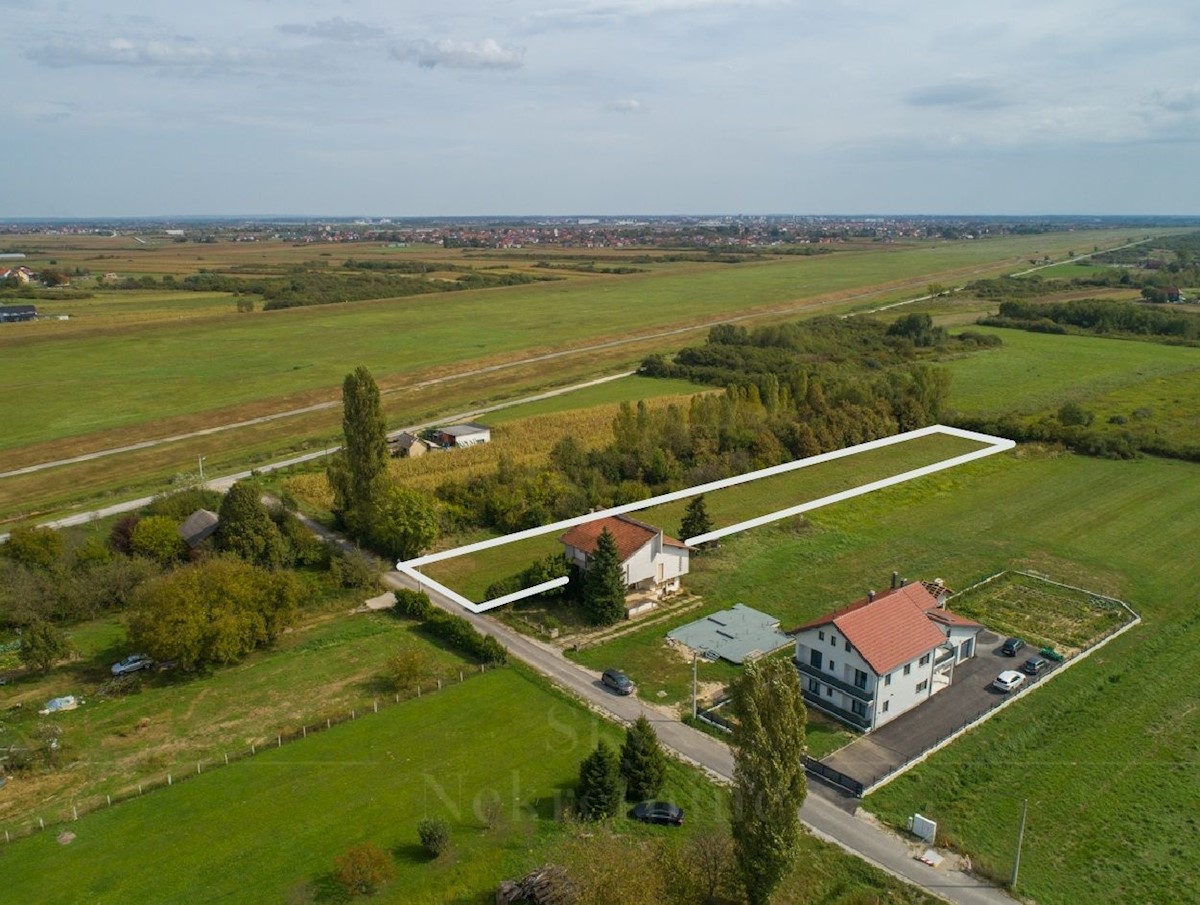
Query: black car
[617,681]
[659,812]
[1033,666]
[1011,646]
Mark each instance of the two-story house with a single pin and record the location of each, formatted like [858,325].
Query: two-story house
[650,560]
[871,661]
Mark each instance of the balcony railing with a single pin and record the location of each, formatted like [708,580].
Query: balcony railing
[848,716]
[854,691]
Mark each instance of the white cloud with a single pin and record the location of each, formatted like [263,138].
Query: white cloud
[335,29]
[629,105]
[180,53]
[486,54]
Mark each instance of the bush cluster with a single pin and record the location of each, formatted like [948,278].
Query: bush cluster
[453,630]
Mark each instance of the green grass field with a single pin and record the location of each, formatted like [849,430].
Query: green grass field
[626,389]
[1032,372]
[1105,752]
[259,829]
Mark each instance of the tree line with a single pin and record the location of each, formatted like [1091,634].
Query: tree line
[1097,316]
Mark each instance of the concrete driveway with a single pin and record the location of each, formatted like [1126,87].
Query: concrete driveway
[969,697]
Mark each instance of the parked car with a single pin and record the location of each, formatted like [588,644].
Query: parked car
[1011,646]
[1033,665]
[617,681]
[132,663]
[659,812]
[1008,680]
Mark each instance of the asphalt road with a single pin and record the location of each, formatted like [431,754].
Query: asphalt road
[825,812]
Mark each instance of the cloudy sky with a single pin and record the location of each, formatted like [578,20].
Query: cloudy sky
[413,107]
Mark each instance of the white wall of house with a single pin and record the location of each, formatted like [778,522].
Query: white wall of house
[962,639]
[639,567]
[652,565]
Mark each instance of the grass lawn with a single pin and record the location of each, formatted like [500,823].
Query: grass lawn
[1032,372]
[256,830]
[173,720]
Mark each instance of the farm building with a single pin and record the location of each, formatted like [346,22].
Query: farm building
[871,661]
[17,313]
[651,561]
[408,446]
[463,435]
[198,527]
[737,635]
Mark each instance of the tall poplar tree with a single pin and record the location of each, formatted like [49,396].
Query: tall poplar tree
[768,774]
[358,472]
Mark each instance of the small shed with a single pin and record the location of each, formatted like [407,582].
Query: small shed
[198,527]
[468,434]
[11,313]
[737,635]
[408,446]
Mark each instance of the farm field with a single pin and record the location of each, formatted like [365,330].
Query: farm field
[1104,747]
[266,827]
[625,389]
[1037,371]
[169,722]
[471,574]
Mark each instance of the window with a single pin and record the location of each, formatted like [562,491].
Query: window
[847,647]
[885,706]
[833,640]
[820,636]
[922,685]
[814,659]
[832,666]
[907,668]
[859,708]
[814,686]
[887,680]
[925,660]
[829,691]
[860,678]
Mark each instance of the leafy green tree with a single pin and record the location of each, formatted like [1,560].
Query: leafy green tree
[246,529]
[404,523]
[407,667]
[599,790]
[434,834]
[42,645]
[39,547]
[212,612]
[604,583]
[695,519]
[157,537]
[643,763]
[359,470]
[768,775]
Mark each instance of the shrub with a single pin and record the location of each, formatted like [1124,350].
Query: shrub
[363,868]
[413,604]
[434,835]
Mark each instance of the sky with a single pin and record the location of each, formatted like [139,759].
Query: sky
[606,107]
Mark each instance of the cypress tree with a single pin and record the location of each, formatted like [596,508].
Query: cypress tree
[360,468]
[643,763]
[604,583]
[695,519]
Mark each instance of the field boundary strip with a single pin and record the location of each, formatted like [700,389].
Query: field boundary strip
[991,446]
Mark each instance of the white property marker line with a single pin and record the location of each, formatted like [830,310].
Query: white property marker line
[992,445]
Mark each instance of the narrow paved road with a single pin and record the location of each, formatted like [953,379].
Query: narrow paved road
[824,812]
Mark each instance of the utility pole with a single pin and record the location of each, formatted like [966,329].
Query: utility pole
[1020,839]
[693,685]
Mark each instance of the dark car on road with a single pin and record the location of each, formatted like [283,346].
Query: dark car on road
[617,681]
[1011,646]
[1033,665]
[659,812]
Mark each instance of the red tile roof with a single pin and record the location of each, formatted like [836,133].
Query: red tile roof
[894,628]
[630,535]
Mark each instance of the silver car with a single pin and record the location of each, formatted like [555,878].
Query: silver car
[132,663]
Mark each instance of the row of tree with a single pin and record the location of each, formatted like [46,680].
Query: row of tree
[1099,316]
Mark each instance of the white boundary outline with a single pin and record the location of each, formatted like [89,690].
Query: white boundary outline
[992,445]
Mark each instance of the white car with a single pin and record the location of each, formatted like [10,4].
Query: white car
[1009,680]
[132,663]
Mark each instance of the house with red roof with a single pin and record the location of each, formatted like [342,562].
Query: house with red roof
[651,560]
[880,657]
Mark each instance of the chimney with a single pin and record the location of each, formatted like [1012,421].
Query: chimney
[903,582]
[870,596]
[895,580]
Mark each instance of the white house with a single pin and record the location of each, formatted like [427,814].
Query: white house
[464,435]
[652,561]
[870,662]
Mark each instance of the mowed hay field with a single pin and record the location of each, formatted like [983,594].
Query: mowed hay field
[1106,752]
[68,379]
